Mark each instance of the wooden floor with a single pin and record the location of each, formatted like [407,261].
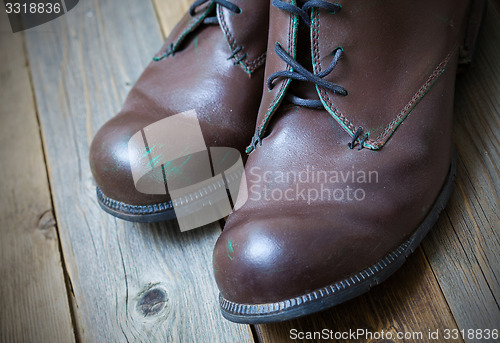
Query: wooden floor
[70,272]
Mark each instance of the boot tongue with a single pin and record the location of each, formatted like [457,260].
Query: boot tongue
[304,90]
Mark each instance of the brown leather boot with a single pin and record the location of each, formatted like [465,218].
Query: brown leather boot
[213,63]
[352,161]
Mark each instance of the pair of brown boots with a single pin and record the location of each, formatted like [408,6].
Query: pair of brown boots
[345,109]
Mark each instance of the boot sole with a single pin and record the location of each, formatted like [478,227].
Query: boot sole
[347,289]
[136,213]
[165,211]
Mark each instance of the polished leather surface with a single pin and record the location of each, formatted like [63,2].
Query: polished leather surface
[272,250]
[197,76]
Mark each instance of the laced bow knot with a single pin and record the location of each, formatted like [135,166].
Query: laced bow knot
[299,73]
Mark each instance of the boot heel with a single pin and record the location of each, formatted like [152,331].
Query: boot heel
[477,12]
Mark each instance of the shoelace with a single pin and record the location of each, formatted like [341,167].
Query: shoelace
[306,6]
[213,20]
[298,72]
[208,21]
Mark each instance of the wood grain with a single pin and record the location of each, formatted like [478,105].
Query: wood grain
[131,282]
[170,12]
[464,248]
[34,304]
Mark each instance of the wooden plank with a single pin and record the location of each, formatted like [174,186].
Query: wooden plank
[34,302]
[464,249]
[170,12]
[131,282]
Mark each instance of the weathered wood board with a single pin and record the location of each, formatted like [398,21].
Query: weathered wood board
[130,282]
[33,300]
[169,13]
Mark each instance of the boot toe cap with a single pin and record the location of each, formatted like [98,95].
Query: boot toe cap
[110,161]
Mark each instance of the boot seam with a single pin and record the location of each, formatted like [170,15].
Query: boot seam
[390,128]
[250,67]
[192,24]
[284,85]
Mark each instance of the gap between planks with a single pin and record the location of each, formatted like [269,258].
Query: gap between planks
[33,293]
[83,64]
